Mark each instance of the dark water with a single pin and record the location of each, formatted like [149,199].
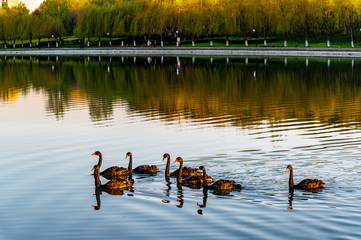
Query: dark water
[243,119]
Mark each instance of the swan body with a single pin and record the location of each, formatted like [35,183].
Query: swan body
[304,184]
[112,184]
[197,180]
[224,185]
[114,172]
[187,171]
[143,169]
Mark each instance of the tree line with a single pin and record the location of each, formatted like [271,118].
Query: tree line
[134,20]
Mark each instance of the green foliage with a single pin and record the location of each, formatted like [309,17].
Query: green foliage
[293,19]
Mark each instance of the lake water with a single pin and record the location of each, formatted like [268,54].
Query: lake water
[244,119]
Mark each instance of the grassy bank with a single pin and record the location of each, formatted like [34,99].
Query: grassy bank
[73,42]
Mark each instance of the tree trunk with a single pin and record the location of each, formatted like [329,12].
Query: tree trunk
[88,42]
[227,42]
[328,34]
[161,40]
[245,37]
[285,42]
[99,43]
[306,34]
[193,43]
[264,32]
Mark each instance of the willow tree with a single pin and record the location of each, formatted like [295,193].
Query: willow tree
[244,17]
[162,19]
[99,27]
[303,13]
[347,14]
[135,13]
[58,9]
[192,22]
[120,21]
[149,19]
[326,11]
[228,21]
[212,19]
[14,22]
[264,13]
[110,14]
[80,29]
[285,17]
[2,25]
[89,23]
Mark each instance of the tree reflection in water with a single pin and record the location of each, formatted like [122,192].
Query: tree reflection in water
[226,94]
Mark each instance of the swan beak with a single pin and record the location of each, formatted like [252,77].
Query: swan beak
[93,168]
[163,159]
[286,170]
[93,154]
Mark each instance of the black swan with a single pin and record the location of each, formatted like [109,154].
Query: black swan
[304,184]
[112,172]
[222,184]
[144,169]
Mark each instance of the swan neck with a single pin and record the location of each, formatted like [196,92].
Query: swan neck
[180,172]
[100,160]
[96,178]
[290,182]
[204,178]
[167,174]
[130,168]
[97,196]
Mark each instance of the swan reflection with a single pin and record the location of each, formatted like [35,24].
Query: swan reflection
[290,199]
[204,204]
[99,188]
[180,199]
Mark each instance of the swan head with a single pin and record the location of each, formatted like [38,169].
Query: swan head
[95,168]
[179,159]
[129,154]
[165,155]
[289,167]
[201,168]
[97,153]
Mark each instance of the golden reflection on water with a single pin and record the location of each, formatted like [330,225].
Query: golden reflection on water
[235,93]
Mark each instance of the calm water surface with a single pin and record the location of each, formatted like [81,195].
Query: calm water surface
[243,119]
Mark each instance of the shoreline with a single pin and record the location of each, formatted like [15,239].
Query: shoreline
[189,51]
